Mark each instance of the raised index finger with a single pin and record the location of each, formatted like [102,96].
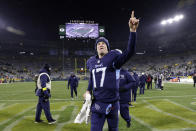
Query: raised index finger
[132,14]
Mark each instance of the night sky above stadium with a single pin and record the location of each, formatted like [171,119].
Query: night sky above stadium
[40,20]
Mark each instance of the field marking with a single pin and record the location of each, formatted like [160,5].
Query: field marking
[151,106]
[156,109]
[183,129]
[167,96]
[62,108]
[52,104]
[9,128]
[193,103]
[2,106]
[9,106]
[82,99]
[74,113]
[180,105]
[28,109]
[143,123]
[50,100]
[12,125]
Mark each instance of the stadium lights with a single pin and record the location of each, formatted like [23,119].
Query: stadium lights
[172,20]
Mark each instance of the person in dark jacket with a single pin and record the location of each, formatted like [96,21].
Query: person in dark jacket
[134,90]
[73,82]
[194,79]
[127,82]
[104,79]
[149,81]
[160,81]
[43,92]
[142,83]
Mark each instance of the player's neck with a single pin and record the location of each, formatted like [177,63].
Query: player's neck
[101,55]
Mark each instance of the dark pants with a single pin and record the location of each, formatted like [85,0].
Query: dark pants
[160,83]
[148,85]
[124,112]
[98,119]
[142,87]
[134,93]
[75,90]
[194,84]
[45,106]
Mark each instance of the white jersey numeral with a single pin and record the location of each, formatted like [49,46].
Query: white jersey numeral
[103,69]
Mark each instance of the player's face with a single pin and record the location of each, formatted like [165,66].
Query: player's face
[102,48]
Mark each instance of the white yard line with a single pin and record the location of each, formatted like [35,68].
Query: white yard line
[143,123]
[151,106]
[28,109]
[74,113]
[167,96]
[182,129]
[193,103]
[9,106]
[156,109]
[180,105]
[62,108]
[81,100]
[2,106]
[37,100]
[9,128]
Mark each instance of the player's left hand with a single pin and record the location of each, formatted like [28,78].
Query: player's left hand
[133,23]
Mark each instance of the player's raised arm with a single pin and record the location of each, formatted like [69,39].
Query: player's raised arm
[126,55]
[133,23]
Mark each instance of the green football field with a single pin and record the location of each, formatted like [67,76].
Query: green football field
[173,109]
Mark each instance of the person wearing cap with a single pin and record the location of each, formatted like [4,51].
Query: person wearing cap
[73,82]
[142,81]
[43,92]
[104,79]
[127,83]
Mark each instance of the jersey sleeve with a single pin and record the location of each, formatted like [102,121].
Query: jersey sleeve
[124,57]
[43,80]
[90,84]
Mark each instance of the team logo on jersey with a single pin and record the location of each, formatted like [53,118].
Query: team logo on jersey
[122,76]
[99,66]
[97,107]
[98,61]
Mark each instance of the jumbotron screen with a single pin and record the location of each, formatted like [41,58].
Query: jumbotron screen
[81,30]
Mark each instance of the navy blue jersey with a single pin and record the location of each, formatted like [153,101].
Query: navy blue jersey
[127,82]
[105,72]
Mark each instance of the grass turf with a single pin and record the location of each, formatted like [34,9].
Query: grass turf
[170,109]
